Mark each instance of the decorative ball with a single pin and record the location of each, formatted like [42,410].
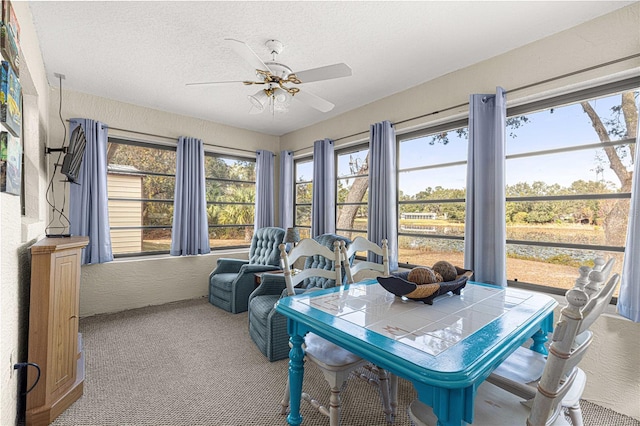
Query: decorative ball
[422,275]
[446,269]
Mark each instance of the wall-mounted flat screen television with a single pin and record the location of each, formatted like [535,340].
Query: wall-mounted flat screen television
[73,156]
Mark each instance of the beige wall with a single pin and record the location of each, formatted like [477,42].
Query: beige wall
[17,231]
[612,363]
[596,42]
[133,283]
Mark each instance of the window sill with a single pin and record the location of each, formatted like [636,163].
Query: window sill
[164,256]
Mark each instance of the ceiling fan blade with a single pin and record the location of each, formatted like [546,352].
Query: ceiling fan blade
[212,83]
[314,101]
[253,61]
[324,73]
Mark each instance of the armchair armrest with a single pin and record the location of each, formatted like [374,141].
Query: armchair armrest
[244,284]
[228,265]
[296,292]
[270,284]
[252,268]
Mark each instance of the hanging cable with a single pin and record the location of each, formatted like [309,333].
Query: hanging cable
[21,365]
[50,193]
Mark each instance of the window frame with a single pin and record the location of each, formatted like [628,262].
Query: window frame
[170,147]
[427,131]
[303,159]
[571,98]
[239,181]
[345,151]
[145,144]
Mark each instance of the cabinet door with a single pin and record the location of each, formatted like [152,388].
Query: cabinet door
[64,319]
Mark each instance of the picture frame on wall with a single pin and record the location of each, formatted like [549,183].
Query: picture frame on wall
[10,20]
[10,99]
[10,36]
[10,163]
[9,48]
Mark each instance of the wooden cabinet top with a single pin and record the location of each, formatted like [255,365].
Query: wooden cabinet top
[49,245]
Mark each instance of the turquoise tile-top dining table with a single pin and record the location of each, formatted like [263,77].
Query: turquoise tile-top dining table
[446,349]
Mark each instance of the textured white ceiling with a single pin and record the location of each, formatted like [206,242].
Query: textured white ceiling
[145,52]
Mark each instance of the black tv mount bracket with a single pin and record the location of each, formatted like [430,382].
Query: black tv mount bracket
[64,150]
[51,150]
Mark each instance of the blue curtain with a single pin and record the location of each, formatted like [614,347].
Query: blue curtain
[264,215]
[629,296]
[485,227]
[190,231]
[383,207]
[285,205]
[323,202]
[89,214]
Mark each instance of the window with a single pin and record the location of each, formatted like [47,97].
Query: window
[352,185]
[141,186]
[568,184]
[569,166]
[140,182]
[303,196]
[431,193]
[231,195]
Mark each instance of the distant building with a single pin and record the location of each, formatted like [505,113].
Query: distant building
[122,182]
[418,216]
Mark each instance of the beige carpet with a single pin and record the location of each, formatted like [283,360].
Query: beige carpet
[190,363]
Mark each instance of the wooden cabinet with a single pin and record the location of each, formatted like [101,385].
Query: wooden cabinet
[54,343]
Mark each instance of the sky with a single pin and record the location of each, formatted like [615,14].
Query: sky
[564,127]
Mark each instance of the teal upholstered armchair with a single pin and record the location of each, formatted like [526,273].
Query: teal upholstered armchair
[233,280]
[267,328]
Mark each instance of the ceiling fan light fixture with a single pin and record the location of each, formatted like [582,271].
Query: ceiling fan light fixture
[281,101]
[259,99]
[281,80]
[281,97]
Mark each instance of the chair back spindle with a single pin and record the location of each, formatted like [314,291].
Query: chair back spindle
[305,248]
[597,303]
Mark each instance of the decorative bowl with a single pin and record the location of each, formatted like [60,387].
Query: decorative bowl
[400,286]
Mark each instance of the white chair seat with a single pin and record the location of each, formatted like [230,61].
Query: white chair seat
[523,366]
[327,353]
[493,407]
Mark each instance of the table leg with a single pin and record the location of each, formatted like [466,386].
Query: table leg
[540,338]
[296,372]
[449,406]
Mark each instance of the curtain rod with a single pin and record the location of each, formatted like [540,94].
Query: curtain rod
[173,138]
[527,86]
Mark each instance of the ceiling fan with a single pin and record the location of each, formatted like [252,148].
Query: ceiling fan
[278,79]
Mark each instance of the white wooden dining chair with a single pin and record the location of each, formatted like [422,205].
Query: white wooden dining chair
[308,247]
[494,406]
[362,269]
[525,366]
[366,268]
[335,362]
